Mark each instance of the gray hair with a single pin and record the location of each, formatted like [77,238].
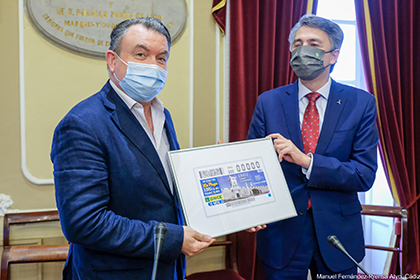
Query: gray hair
[333,30]
[150,23]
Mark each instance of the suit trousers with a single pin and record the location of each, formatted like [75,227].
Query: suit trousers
[307,256]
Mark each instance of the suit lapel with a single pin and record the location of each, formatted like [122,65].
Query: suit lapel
[130,127]
[170,132]
[336,101]
[170,138]
[291,115]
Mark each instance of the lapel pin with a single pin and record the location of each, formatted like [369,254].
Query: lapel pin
[339,102]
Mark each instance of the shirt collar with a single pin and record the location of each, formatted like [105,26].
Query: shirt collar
[130,102]
[324,90]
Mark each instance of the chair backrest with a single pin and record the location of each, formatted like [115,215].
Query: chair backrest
[25,218]
[29,254]
[400,229]
[231,251]
[231,270]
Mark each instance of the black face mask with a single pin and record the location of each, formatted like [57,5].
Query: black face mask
[308,62]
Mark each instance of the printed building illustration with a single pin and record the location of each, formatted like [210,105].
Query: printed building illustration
[236,192]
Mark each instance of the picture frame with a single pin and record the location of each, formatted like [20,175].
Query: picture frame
[231,187]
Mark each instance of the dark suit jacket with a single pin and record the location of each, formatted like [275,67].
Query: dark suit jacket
[111,190]
[343,164]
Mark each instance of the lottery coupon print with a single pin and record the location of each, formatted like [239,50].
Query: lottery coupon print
[232,186]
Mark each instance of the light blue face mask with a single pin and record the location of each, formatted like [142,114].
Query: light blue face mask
[142,82]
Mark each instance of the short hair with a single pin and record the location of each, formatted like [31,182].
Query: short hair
[121,29]
[333,30]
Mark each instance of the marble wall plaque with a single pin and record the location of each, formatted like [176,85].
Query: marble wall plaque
[84,26]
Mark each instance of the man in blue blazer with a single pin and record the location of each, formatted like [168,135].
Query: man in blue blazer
[323,182]
[111,173]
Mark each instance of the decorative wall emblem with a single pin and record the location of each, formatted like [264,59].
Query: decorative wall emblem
[84,26]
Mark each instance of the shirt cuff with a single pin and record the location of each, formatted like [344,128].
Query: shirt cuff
[307,172]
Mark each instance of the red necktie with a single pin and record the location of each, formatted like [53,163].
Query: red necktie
[310,126]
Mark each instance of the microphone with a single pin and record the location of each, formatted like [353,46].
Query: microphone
[160,233]
[333,240]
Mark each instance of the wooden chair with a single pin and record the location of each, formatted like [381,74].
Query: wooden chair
[33,253]
[400,230]
[231,270]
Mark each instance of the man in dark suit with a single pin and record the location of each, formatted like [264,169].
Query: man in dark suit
[323,174]
[112,180]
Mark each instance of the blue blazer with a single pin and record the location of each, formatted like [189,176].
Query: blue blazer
[344,163]
[111,191]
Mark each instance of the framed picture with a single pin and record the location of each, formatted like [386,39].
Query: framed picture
[231,187]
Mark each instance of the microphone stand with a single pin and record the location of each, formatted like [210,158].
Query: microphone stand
[333,240]
[160,233]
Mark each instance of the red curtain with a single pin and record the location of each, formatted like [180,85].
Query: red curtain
[259,54]
[389,35]
[218,12]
